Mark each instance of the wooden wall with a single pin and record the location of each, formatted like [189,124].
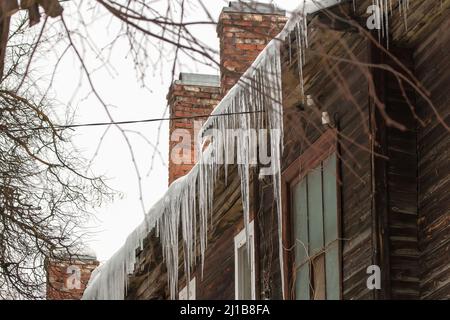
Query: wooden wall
[409,237]
[149,280]
[432,64]
[397,178]
[218,277]
[303,127]
[356,189]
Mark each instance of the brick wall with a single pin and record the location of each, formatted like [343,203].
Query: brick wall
[244,30]
[191,95]
[62,278]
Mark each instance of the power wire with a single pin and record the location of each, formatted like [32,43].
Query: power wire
[97,124]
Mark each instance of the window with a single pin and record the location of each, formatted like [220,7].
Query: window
[311,195]
[183,295]
[244,263]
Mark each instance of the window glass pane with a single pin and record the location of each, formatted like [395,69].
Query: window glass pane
[330,199]
[315,215]
[245,282]
[319,277]
[315,228]
[300,217]
[332,271]
[302,286]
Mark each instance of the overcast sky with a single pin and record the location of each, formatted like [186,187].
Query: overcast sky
[121,88]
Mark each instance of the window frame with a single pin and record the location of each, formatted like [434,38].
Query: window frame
[239,240]
[311,158]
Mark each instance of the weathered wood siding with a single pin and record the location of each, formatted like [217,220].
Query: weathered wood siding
[400,146]
[432,65]
[149,281]
[326,86]
[218,277]
[218,273]
[355,165]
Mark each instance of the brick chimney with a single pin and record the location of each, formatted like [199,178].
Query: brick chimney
[244,30]
[67,280]
[192,95]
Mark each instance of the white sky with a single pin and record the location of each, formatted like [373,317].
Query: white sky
[115,220]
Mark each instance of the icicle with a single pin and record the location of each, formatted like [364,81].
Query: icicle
[387,8]
[302,44]
[290,49]
[382,18]
[379,17]
[403,6]
[275,118]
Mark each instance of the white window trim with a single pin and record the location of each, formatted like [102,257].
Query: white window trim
[239,241]
[182,295]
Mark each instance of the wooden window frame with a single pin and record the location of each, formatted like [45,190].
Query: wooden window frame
[240,240]
[312,157]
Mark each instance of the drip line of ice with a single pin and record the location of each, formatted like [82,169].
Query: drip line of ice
[189,200]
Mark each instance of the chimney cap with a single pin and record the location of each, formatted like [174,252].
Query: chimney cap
[198,79]
[253,7]
[81,253]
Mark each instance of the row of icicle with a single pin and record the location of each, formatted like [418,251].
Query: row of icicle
[189,200]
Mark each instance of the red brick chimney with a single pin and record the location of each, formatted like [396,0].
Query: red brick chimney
[244,30]
[192,95]
[67,280]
